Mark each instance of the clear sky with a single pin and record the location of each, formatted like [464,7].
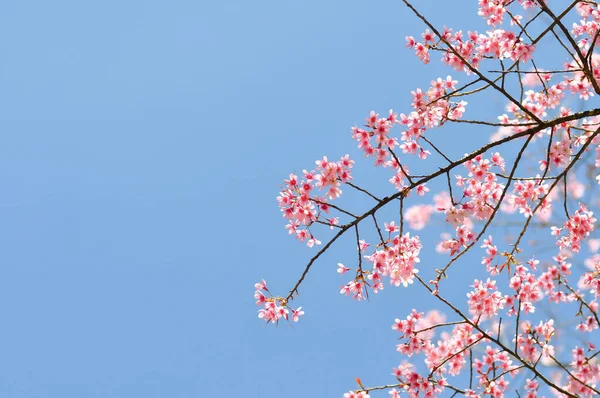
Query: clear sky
[142,145]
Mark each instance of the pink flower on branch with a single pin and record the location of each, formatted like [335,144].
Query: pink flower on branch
[302,207]
[273,308]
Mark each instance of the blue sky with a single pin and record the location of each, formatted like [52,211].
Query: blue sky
[143,144]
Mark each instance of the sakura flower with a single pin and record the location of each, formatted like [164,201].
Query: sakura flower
[422,189]
[342,269]
[296,314]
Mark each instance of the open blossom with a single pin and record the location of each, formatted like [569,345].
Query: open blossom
[342,268]
[391,227]
[296,314]
[422,190]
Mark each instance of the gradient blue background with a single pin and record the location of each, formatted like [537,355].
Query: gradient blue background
[142,145]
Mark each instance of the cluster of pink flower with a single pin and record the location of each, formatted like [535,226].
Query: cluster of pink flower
[589,26]
[395,259]
[416,385]
[585,373]
[398,260]
[485,300]
[589,324]
[378,128]
[491,252]
[560,152]
[538,102]
[464,236]
[274,308]
[483,191]
[578,227]
[498,44]
[481,188]
[526,193]
[527,288]
[301,207]
[534,340]
[493,10]
[491,362]
[357,288]
[448,356]
[408,328]
[551,279]
[532,387]
[430,109]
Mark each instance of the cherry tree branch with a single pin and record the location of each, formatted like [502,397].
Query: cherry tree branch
[529,132]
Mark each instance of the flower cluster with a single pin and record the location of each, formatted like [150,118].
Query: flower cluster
[447,356]
[395,259]
[491,252]
[578,227]
[491,362]
[493,11]
[551,279]
[463,53]
[376,142]
[527,288]
[534,340]
[481,188]
[450,353]
[464,237]
[526,194]
[585,373]
[301,207]
[398,259]
[431,109]
[485,300]
[274,308]
[416,385]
